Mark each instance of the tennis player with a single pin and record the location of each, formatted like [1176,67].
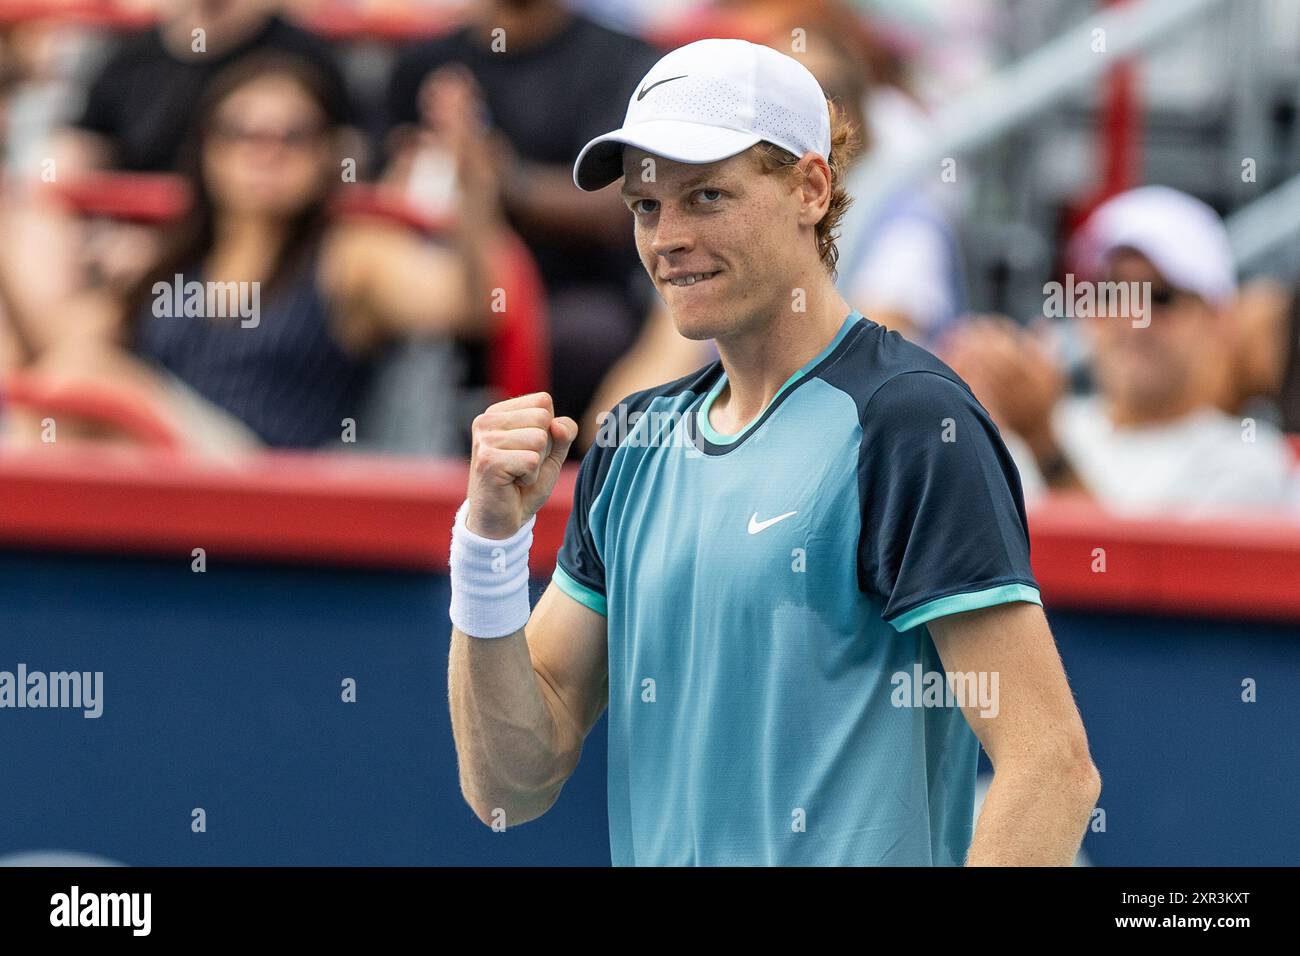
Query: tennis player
[798,578]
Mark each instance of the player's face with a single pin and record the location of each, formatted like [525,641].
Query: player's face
[725,220]
[1149,361]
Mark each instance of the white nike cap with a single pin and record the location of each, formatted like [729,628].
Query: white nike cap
[709,100]
[1182,236]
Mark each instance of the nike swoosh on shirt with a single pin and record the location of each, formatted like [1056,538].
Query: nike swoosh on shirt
[647,89]
[755,526]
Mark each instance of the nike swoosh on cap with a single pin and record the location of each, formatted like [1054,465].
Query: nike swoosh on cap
[647,89]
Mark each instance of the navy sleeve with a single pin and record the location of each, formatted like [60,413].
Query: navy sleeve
[943,515]
[579,571]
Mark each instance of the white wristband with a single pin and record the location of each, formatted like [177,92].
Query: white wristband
[489,579]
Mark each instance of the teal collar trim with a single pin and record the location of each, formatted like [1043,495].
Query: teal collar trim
[702,415]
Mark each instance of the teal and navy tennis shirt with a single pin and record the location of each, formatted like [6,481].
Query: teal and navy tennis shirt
[766,595]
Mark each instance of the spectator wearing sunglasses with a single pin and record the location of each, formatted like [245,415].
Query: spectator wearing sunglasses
[263,316]
[1150,437]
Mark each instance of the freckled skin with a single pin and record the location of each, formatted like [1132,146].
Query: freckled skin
[738,220]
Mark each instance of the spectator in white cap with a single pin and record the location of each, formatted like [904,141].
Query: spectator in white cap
[1158,326]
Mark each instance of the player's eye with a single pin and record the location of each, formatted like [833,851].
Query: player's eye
[639,202]
[717,192]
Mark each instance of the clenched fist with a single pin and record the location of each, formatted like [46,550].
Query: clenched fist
[518,448]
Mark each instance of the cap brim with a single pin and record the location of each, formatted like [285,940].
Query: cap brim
[601,161]
[1170,264]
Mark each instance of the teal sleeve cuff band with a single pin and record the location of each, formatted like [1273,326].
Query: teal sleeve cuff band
[972,600]
[579,592]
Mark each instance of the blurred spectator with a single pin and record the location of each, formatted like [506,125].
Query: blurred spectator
[139,106]
[1266,369]
[33,87]
[36,83]
[1150,439]
[1289,387]
[134,118]
[553,79]
[263,165]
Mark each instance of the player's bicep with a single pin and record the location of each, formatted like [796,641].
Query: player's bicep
[1030,714]
[569,650]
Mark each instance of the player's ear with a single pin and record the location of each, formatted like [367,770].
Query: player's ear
[814,183]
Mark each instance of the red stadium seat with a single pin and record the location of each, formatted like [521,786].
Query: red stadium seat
[94,13]
[104,405]
[134,197]
[519,356]
[342,23]
[364,200]
[334,21]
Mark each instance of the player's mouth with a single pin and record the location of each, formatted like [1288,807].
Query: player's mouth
[693,279]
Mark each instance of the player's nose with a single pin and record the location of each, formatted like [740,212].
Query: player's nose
[672,234]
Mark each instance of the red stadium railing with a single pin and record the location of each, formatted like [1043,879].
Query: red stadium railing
[335,21]
[133,197]
[92,13]
[352,510]
[393,25]
[101,403]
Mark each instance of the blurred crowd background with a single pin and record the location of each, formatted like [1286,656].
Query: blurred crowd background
[394,176]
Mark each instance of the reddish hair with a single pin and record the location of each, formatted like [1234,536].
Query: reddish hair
[846,140]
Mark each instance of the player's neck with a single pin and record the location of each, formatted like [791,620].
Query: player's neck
[760,363]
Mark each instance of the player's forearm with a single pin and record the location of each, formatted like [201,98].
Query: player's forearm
[514,756]
[513,761]
[1034,814]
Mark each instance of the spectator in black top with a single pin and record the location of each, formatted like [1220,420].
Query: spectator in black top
[325,295]
[552,80]
[138,108]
